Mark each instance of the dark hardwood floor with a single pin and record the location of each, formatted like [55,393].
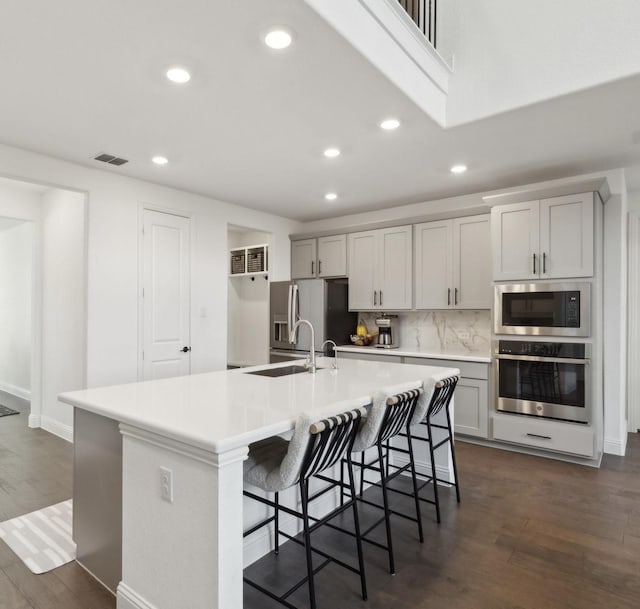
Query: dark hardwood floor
[35,471]
[530,533]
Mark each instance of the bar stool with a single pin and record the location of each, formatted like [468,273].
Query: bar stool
[274,465]
[389,416]
[440,400]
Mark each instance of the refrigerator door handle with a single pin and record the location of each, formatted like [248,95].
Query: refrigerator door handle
[294,308]
[289,311]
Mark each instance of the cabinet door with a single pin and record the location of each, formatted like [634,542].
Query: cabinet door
[303,259]
[472,263]
[395,269]
[362,262]
[566,236]
[515,240]
[434,289]
[471,408]
[332,256]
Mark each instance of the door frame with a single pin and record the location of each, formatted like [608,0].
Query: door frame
[633,320]
[142,207]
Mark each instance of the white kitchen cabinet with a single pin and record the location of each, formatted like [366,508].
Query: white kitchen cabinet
[453,264]
[303,259]
[558,436]
[380,269]
[471,397]
[322,257]
[544,239]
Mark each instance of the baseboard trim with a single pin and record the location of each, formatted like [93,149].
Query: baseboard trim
[19,392]
[56,428]
[423,468]
[616,447]
[129,599]
[34,420]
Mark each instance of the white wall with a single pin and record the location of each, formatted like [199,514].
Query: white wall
[16,273]
[63,305]
[112,268]
[509,54]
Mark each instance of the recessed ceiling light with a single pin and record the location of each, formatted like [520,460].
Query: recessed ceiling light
[278,39]
[458,169]
[160,160]
[332,153]
[331,196]
[178,75]
[389,124]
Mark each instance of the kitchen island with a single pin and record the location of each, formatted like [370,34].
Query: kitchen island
[182,443]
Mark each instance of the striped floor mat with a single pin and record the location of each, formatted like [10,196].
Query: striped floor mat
[42,539]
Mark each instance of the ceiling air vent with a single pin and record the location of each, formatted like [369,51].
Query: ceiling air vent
[110,158]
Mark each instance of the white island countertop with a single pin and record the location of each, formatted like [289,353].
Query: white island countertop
[426,353]
[178,450]
[221,411]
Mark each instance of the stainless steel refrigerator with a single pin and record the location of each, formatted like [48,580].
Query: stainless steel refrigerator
[324,302]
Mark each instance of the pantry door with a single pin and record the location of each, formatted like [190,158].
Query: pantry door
[166,288]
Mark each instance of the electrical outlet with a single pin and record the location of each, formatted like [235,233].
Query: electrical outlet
[166,484]
[463,335]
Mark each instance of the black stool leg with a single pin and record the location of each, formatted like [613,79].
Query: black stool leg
[361,473]
[414,477]
[453,457]
[304,496]
[434,480]
[356,521]
[387,514]
[276,523]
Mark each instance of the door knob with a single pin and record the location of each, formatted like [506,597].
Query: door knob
[185,349]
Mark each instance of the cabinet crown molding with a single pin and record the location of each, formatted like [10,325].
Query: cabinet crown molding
[597,185]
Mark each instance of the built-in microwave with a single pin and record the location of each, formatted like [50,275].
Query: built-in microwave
[543,309]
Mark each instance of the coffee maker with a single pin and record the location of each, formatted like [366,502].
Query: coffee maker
[385,334]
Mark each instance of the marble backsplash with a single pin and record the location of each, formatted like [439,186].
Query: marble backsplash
[456,331]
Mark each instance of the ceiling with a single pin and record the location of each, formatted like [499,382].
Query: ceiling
[82,78]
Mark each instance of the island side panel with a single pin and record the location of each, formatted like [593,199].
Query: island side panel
[186,552]
[97,496]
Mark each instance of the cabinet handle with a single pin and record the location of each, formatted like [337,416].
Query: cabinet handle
[448,297]
[535,435]
[375,298]
[534,264]
[313,266]
[319,267]
[380,297]
[544,262]
[455,297]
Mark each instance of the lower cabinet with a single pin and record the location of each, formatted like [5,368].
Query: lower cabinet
[471,399]
[558,436]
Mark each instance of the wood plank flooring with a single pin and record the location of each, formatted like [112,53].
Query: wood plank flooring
[36,471]
[530,533]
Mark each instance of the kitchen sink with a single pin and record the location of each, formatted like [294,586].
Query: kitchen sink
[283,371]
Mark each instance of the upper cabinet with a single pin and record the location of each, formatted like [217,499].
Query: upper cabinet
[322,257]
[380,269]
[545,239]
[453,264]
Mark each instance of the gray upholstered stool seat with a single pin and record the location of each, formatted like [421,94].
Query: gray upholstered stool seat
[274,465]
[262,467]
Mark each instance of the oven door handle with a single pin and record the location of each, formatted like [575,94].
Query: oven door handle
[536,358]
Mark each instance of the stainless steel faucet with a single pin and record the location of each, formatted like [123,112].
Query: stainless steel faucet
[311,362]
[335,352]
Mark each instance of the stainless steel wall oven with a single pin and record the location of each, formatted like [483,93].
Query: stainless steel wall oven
[543,309]
[544,379]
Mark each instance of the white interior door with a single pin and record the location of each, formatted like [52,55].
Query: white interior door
[165,293]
